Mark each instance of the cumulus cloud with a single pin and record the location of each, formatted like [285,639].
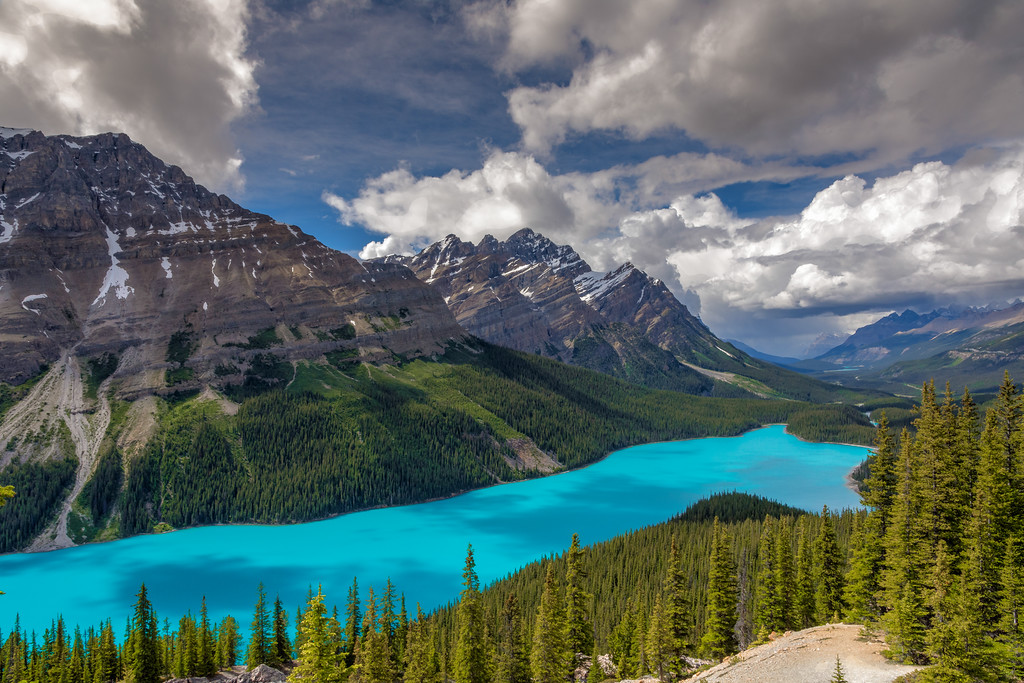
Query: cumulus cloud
[173,75]
[774,77]
[932,235]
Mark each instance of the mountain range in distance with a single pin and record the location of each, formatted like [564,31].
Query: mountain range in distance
[970,347]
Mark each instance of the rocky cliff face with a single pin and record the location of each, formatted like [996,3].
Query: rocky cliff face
[104,248]
[530,294]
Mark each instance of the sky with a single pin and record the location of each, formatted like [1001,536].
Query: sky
[787,167]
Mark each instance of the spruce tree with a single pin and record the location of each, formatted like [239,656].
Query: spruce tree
[227,642]
[549,658]
[142,653]
[786,572]
[352,621]
[281,647]
[803,609]
[513,663]
[317,660]
[1011,607]
[829,561]
[625,641]
[676,609]
[768,610]
[838,676]
[595,674]
[260,634]
[470,665]
[207,660]
[658,644]
[420,659]
[718,640]
[579,631]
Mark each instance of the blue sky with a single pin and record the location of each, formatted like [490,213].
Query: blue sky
[787,167]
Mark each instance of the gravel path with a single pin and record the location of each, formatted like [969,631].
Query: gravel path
[809,656]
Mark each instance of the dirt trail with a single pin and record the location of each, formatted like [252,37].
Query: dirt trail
[809,656]
[87,427]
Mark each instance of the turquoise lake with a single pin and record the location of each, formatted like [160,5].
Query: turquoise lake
[421,547]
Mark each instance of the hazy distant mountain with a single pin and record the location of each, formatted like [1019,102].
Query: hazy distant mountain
[971,347]
[823,343]
[777,360]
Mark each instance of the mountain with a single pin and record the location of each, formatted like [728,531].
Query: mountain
[823,343]
[777,360]
[969,347]
[531,294]
[172,359]
[106,249]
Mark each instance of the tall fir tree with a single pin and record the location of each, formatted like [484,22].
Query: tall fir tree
[318,661]
[718,640]
[830,564]
[352,623]
[513,662]
[768,610]
[281,647]
[420,660]
[549,658]
[579,631]
[676,609]
[142,655]
[470,665]
[260,633]
[803,609]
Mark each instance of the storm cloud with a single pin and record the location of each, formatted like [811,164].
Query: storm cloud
[173,75]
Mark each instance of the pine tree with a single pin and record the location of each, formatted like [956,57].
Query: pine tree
[625,641]
[470,665]
[658,644]
[549,658]
[838,676]
[281,647]
[207,646]
[227,642]
[317,660]
[595,674]
[768,612]
[786,581]
[260,641]
[804,606]
[676,610]
[829,561]
[579,632]
[513,663]
[142,649]
[373,658]
[352,620]
[718,640]
[420,658]
[1011,607]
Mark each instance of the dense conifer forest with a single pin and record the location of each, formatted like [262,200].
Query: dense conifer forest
[346,436]
[936,561]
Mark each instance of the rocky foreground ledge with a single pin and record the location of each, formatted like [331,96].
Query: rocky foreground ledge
[261,674]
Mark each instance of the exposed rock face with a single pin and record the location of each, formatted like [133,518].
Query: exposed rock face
[103,247]
[530,294]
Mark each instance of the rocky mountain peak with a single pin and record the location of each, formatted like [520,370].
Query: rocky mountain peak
[106,248]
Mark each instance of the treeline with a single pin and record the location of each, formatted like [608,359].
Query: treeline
[40,489]
[425,430]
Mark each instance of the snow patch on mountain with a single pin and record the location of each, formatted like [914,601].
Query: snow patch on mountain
[165,263]
[116,277]
[593,286]
[32,297]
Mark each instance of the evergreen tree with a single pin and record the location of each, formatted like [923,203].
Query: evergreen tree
[626,641]
[676,611]
[658,644]
[718,640]
[1011,607]
[513,663]
[260,635]
[317,660]
[838,676]
[549,658]
[804,606]
[106,667]
[207,645]
[227,642]
[142,654]
[281,648]
[352,620]
[768,612]
[786,573]
[595,674]
[579,632]
[829,561]
[470,665]
[420,658]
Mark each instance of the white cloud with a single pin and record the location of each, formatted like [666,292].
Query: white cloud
[173,75]
[929,236]
[772,77]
